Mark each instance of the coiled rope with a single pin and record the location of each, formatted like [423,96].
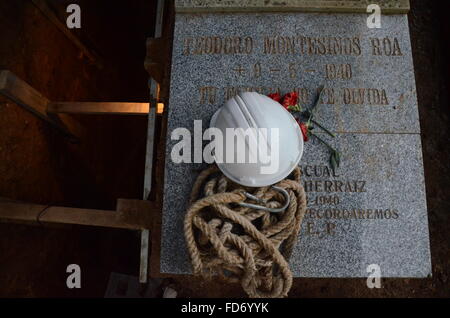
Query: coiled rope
[243,244]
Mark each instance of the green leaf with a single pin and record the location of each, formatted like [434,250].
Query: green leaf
[337,155]
[295,108]
[333,162]
[321,140]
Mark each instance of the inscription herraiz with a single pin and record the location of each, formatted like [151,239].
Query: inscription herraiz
[325,190]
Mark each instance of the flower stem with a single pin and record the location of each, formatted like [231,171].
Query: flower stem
[335,156]
[318,100]
[323,128]
[322,141]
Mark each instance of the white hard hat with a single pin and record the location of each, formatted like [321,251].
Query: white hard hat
[253,110]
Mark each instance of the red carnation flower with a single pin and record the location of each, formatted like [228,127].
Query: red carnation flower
[304,130]
[275,96]
[290,99]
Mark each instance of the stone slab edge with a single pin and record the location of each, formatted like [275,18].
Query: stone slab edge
[347,6]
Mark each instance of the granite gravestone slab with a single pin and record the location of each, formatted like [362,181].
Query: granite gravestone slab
[372,210]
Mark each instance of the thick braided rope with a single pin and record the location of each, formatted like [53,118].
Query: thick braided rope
[243,244]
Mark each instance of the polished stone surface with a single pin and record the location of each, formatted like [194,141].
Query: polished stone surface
[374,210]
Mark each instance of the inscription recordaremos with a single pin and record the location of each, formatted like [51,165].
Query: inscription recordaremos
[325,203]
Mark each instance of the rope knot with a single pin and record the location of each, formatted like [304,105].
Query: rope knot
[228,235]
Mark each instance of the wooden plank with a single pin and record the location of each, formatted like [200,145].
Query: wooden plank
[102,108]
[90,54]
[30,99]
[140,212]
[99,108]
[23,94]
[137,218]
[30,212]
